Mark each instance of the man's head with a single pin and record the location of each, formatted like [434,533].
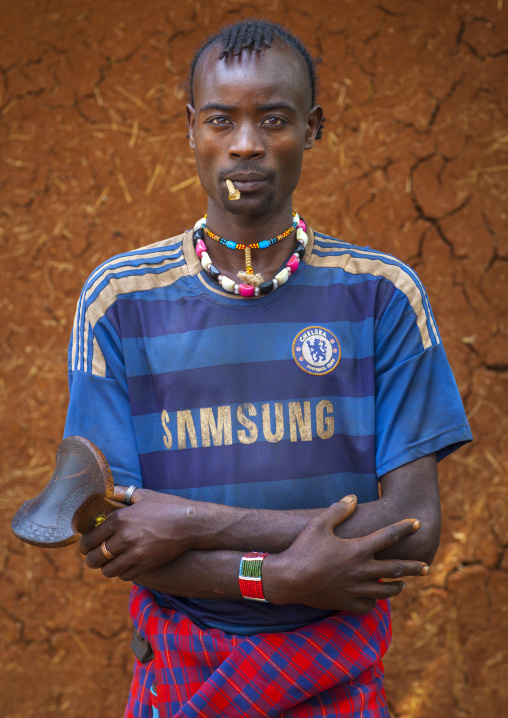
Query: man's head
[251,114]
[254,35]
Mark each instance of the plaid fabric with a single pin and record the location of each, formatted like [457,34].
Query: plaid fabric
[329,668]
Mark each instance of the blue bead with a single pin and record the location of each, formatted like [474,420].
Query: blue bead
[264,244]
[231,245]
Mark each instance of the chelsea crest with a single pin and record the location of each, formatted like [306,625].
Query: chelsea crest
[316,350]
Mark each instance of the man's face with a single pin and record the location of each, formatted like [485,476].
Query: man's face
[251,123]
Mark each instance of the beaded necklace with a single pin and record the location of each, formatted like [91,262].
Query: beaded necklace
[248,275]
[242,288]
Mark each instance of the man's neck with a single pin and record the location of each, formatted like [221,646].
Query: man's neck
[246,229]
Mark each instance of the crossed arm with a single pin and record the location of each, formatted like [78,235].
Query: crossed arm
[328,558]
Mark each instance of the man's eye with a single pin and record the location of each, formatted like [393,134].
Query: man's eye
[219,121]
[274,121]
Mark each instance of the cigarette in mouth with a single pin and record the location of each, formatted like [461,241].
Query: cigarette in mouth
[233,192]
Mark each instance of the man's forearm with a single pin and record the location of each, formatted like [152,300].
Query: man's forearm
[318,569]
[198,574]
[214,573]
[223,527]
[274,531]
[165,538]
[408,492]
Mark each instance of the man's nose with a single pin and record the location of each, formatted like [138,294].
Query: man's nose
[246,143]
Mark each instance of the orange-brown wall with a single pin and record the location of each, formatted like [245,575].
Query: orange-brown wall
[94,161]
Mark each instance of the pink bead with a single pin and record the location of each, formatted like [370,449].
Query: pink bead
[200,247]
[302,224]
[246,290]
[293,264]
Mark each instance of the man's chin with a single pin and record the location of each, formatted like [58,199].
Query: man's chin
[248,205]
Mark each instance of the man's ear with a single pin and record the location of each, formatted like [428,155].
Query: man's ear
[191,119]
[314,121]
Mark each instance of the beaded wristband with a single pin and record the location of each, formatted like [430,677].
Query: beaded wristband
[249,577]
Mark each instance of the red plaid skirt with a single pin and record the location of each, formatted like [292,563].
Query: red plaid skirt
[330,668]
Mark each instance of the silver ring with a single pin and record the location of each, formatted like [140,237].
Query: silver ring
[127,499]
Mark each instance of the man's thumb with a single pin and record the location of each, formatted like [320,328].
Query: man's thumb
[340,510]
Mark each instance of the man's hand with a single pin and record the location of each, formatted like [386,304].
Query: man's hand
[323,571]
[154,530]
[193,548]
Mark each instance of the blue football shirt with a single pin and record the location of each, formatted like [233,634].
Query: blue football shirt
[291,400]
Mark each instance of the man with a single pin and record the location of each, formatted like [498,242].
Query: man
[242,377]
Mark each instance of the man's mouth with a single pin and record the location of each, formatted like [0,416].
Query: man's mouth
[247,177]
[247,181]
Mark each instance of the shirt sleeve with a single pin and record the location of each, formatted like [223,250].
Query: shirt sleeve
[419,410]
[99,407]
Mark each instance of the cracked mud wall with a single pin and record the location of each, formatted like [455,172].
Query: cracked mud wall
[94,161]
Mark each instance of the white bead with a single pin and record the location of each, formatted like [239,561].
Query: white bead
[289,271]
[256,292]
[200,223]
[205,260]
[236,289]
[283,276]
[219,279]
[275,283]
[302,236]
[228,284]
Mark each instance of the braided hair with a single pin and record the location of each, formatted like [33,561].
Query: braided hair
[255,35]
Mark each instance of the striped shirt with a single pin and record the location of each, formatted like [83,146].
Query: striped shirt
[291,400]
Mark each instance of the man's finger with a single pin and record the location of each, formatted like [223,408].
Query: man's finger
[110,567]
[116,567]
[95,537]
[396,568]
[390,535]
[337,512]
[380,589]
[131,573]
[96,559]
[120,491]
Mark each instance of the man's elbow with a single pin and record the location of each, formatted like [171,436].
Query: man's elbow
[427,550]
[421,545]
[424,543]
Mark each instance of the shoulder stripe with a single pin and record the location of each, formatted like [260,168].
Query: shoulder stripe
[143,253]
[330,240]
[359,261]
[131,262]
[152,267]
[120,280]
[98,361]
[157,261]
